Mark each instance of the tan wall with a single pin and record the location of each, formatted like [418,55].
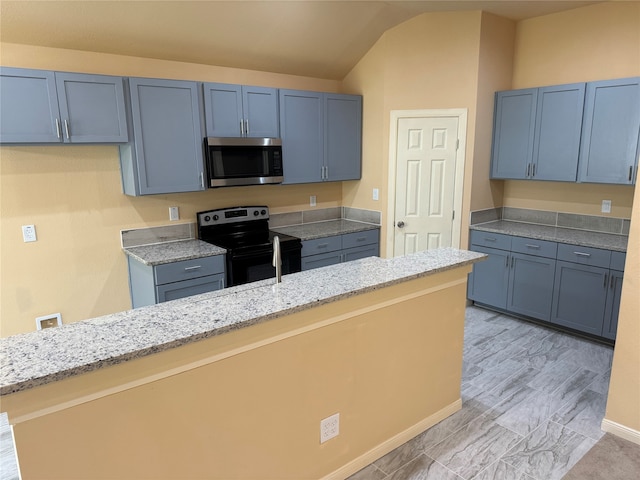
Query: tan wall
[246,405]
[623,404]
[412,67]
[592,43]
[73,195]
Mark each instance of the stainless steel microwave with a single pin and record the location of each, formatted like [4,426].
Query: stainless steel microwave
[243,161]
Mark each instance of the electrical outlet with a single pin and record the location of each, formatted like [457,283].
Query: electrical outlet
[606,206]
[48,321]
[29,233]
[329,427]
[312,201]
[376,194]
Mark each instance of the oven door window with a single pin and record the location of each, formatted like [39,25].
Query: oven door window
[255,266]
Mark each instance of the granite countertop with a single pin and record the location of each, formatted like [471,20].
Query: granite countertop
[37,358]
[310,231]
[607,241]
[159,253]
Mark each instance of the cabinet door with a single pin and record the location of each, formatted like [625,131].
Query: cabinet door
[260,107]
[356,253]
[321,260]
[223,109]
[610,130]
[579,297]
[301,130]
[343,137]
[29,107]
[557,134]
[489,280]
[610,327]
[531,285]
[513,132]
[168,135]
[186,288]
[91,108]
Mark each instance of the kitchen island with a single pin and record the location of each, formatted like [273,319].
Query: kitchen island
[234,383]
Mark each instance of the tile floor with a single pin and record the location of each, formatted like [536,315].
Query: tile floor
[532,403]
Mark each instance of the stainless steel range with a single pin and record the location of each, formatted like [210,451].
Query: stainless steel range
[244,233]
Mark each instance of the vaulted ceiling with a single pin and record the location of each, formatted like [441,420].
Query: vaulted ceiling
[317,38]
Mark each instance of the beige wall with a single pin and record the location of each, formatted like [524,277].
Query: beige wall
[412,67]
[592,43]
[73,195]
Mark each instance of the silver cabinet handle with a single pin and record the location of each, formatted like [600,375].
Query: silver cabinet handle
[66,129]
[246,127]
[530,245]
[188,269]
[323,245]
[506,264]
[606,280]
[630,172]
[582,254]
[202,180]
[528,169]
[533,169]
[57,128]
[241,127]
[400,224]
[361,239]
[612,283]
[490,239]
[512,262]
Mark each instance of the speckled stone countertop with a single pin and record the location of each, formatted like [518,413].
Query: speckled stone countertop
[37,358]
[582,238]
[8,460]
[168,252]
[310,231]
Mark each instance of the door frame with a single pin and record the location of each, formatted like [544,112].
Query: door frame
[396,116]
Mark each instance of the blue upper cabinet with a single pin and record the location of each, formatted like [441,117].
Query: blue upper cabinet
[557,133]
[610,132]
[537,133]
[166,155]
[343,137]
[321,136]
[241,111]
[40,106]
[513,131]
[302,131]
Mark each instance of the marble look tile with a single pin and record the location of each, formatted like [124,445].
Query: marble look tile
[483,216]
[552,376]
[285,219]
[548,452]
[601,383]
[401,455]
[590,222]
[370,472]
[626,226]
[474,447]
[501,471]
[321,214]
[541,217]
[584,415]
[423,468]
[362,215]
[166,233]
[583,353]
[495,375]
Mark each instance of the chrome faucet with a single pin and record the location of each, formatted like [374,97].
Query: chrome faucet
[277,258]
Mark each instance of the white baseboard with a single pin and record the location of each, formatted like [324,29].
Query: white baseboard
[394,442]
[621,431]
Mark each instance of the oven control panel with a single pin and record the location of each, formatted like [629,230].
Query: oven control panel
[223,216]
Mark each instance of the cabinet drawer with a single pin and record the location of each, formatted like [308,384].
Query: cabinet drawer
[595,257]
[360,252]
[321,260]
[187,269]
[357,239]
[539,248]
[617,260]
[321,245]
[187,288]
[491,240]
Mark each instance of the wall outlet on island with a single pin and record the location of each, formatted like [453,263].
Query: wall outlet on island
[329,427]
[606,206]
[48,321]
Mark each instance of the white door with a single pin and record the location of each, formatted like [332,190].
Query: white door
[425,183]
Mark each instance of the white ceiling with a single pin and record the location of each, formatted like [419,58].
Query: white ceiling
[317,38]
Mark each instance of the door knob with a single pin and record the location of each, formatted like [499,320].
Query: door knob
[400,224]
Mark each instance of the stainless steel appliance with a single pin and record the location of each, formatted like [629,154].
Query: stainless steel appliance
[243,161]
[244,233]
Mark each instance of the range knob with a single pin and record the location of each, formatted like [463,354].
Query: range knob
[263,212]
[207,218]
[215,218]
[256,213]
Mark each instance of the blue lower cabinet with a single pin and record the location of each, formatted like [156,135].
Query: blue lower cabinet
[334,249]
[531,285]
[610,327]
[489,281]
